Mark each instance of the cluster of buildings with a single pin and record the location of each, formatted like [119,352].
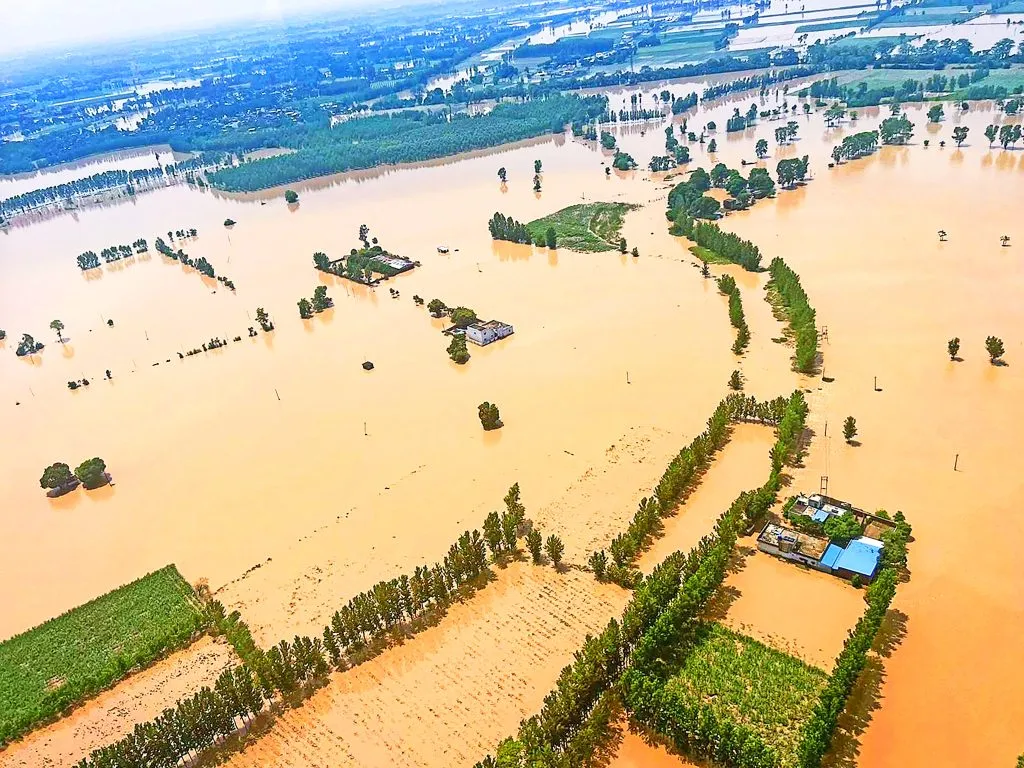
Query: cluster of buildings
[860,556]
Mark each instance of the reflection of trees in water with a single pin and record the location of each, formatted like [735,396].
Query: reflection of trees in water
[865,697]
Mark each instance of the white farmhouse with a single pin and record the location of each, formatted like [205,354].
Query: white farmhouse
[485,332]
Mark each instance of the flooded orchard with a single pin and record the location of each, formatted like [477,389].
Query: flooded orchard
[292,478]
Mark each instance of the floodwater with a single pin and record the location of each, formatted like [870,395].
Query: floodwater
[282,452]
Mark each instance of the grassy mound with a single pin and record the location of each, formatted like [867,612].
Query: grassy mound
[591,227]
[80,653]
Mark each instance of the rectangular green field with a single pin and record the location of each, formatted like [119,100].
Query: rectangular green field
[880,78]
[85,650]
[590,227]
[750,684]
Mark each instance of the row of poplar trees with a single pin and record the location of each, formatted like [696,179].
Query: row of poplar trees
[727,285]
[370,619]
[799,313]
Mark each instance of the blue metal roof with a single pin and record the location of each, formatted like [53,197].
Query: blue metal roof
[832,554]
[820,516]
[858,557]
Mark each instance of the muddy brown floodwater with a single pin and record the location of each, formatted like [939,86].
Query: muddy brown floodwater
[282,452]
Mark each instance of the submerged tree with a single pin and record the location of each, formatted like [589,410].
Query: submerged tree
[321,300]
[534,543]
[502,175]
[990,133]
[457,349]
[58,327]
[291,196]
[994,347]
[953,347]
[935,113]
[489,416]
[960,135]
[550,238]
[264,319]
[92,472]
[55,476]
[850,429]
[537,165]
[305,309]
[761,149]
[554,549]
[736,381]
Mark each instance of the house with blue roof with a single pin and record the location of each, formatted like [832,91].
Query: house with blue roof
[859,556]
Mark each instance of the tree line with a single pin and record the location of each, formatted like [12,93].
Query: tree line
[820,728]
[727,285]
[129,181]
[506,228]
[201,265]
[388,611]
[855,146]
[794,304]
[575,718]
[89,259]
[725,244]
[407,137]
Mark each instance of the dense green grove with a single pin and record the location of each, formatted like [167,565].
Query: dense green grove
[590,227]
[727,285]
[856,146]
[84,651]
[506,228]
[407,137]
[796,308]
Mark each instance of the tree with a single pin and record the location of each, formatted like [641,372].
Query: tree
[711,126]
[321,300]
[990,133]
[321,262]
[92,473]
[534,543]
[28,346]
[850,429]
[712,146]
[622,245]
[502,175]
[57,475]
[291,197]
[1004,240]
[554,549]
[489,416]
[537,165]
[599,563]
[536,182]
[463,316]
[994,347]
[437,308]
[229,222]
[960,135]
[761,149]
[264,319]
[896,130]
[58,326]
[942,235]
[305,309]
[953,347]
[844,527]
[935,113]
[551,238]
[457,349]
[736,381]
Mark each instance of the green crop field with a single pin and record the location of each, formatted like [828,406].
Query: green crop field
[927,17]
[750,684]
[881,78]
[866,42]
[587,227]
[852,23]
[80,653]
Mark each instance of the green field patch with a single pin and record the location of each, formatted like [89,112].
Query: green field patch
[883,78]
[84,651]
[867,42]
[706,254]
[588,227]
[749,684]
[929,17]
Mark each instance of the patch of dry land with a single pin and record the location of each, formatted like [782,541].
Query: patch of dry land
[282,452]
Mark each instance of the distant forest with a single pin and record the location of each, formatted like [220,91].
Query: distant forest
[408,137]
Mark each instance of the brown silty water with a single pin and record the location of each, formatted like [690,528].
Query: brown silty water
[215,473]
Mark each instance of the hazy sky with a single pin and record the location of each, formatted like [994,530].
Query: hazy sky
[27,25]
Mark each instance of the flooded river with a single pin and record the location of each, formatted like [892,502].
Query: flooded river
[282,452]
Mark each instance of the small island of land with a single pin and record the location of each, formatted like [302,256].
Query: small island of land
[592,227]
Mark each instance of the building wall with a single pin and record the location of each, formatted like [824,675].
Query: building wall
[794,556]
